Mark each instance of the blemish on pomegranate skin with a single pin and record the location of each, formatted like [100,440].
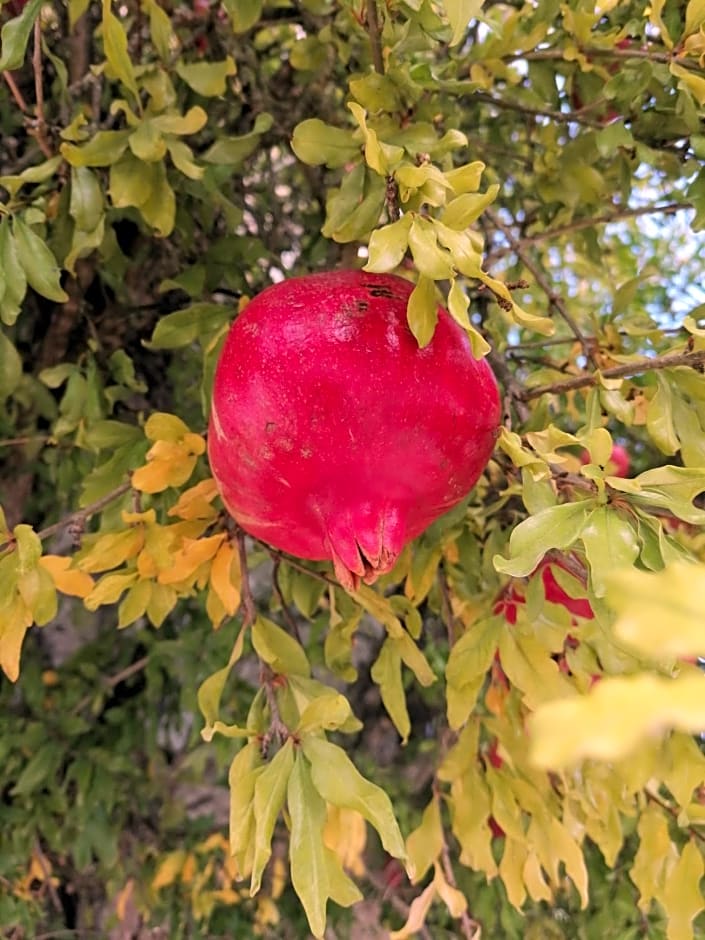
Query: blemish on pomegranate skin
[270,427]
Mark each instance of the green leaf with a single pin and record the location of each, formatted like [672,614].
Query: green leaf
[431,261]
[33,174]
[280,651]
[207,78]
[386,673]
[15,36]
[160,29]
[244,14]
[104,149]
[610,544]
[659,418]
[388,245]
[147,143]
[309,870]
[270,790]
[183,327]
[10,368]
[86,204]
[459,13]
[670,488]
[467,208]
[15,280]
[230,151]
[244,772]
[325,713]
[458,303]
[115,45]
[38,262]
[660,613]
[422,311]
[414,659]
[317,143]
[469,660]
[554,527]
[338,781]
[211,689]
[616,716]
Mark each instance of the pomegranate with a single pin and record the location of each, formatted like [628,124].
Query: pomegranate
[553,592]
[332,434]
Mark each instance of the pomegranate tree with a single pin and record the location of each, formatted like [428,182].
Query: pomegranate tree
[332,434]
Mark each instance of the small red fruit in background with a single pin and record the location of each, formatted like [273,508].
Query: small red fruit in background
[619,463]
[332,434]
[553,592]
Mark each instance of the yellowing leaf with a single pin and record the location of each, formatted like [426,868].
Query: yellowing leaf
[111,550]
[660,613]
[169,869]
[459,13]
[418,911]
[453,899]
[424,844]
[338,781]
[15,618]
[325,712]
[282,653]
[109,589]
[244,771]
[68,580]
[616,715]
[553,527]
[207,78]
[610,544]
[682,898]
[270,790]
[386,672]
[388,245]
[345,833]
[115,44]
[225,577]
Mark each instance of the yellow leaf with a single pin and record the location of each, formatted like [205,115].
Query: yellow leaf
[345,833]
[111,550]
[169,869]
[135,603]
[109,589]
[615,716]
[660,613]
[225,577]
[190,557]
[160,473]
[511,869]
[15,618]
[164,427]
[418,911]
[68,580]
[425,843]
[453,899]
[682,898]
[195,503]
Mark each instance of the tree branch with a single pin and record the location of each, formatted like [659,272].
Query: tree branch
[554,300]
[667,361]
[373,32]
[579,224]
[562,117]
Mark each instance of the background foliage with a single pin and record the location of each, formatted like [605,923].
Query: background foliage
[539,164]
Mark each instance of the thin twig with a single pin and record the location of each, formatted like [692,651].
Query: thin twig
[16,93]
[554,299]
[276,555]
[20,441]
[513,390]
[552,55]
[286,613]
[111,681]
[373,32]
[249,607]
[667,361]
[669,208]
[564,117]
[82,515]
[673,811]
[40,127]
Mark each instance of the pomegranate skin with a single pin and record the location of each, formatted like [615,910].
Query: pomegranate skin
[332,434]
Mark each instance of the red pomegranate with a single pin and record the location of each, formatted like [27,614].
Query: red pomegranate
[332,434]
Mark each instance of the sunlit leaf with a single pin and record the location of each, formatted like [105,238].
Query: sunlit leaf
[270,791]
[280,651]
